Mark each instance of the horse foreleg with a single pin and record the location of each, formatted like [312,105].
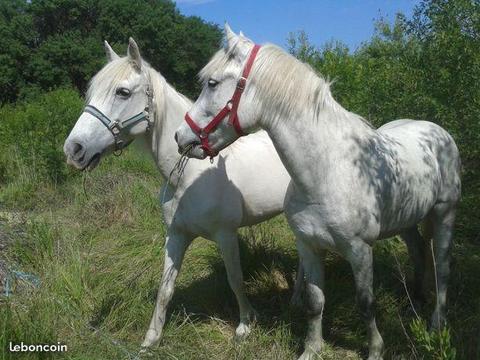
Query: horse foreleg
[296,299]
[313,264]
[228,243]
[175,247]
[361,261]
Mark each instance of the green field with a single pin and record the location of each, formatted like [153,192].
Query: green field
[82,252]
[96,244]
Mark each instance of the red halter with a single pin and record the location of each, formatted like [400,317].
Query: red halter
[230,108]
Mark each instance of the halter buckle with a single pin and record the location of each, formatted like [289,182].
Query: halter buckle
[202,134]
[115,128]
[241,83]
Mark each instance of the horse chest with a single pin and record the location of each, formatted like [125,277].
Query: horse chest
[327,226]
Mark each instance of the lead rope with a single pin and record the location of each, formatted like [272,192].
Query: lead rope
[179,166]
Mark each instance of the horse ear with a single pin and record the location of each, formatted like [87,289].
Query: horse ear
[111,55]
[241,34]
[230,37]
[134,53]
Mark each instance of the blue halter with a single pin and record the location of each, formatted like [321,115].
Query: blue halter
[116,127]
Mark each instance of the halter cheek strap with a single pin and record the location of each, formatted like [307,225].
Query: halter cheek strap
[231,108]
[117,127]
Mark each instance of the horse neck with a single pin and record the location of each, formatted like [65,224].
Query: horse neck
[311,146]
[170,107]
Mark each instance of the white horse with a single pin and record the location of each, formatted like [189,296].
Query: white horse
[211,200]
[351,184]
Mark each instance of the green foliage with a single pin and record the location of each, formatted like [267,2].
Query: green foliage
[99,255]
[96,241]
[57,43]
[434,345]
[16,40]
[425,68]
[32,136]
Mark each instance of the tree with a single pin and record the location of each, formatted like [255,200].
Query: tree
[56,43]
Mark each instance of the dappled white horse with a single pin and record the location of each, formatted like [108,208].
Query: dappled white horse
[351,184]
[211,199]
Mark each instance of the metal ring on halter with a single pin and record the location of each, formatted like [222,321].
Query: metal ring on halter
[117,126]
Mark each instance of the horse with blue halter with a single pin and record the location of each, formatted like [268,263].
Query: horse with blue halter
[129,100]
[351,184]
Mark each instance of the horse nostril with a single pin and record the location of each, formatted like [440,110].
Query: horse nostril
[176,137]
[77,148]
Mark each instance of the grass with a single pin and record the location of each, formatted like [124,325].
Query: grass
[98,252]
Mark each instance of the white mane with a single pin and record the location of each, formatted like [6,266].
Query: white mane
[109,77]
[286,86]
[115,72]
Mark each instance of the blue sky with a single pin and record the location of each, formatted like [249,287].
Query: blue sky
[268,20]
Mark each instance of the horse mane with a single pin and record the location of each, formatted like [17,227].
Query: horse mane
[109,77]
[287,86]
[115,72]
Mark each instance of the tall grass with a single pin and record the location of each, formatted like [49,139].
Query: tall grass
[99,257]
[95,241]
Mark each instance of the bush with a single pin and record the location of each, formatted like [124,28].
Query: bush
[435,345]
[32,136]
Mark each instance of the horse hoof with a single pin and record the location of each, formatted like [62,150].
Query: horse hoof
[143,353]
[308,355]
[151,338]
[313,351]
[242,331]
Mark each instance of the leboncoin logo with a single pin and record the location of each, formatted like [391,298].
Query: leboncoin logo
[58,347]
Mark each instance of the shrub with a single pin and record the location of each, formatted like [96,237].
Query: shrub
[435,345]
[32,136]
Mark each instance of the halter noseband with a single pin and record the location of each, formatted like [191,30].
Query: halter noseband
[230,108]
[116,127]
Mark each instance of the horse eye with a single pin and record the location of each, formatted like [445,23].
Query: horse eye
[212,83]
[123,92]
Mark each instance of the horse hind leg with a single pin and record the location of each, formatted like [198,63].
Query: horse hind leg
[417,253]
[443,218]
